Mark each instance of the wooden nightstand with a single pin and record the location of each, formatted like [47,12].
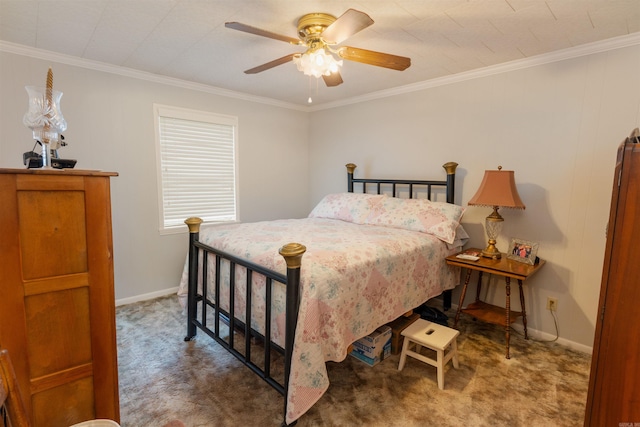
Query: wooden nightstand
[506,268]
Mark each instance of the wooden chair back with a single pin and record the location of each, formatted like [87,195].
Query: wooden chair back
[12,410]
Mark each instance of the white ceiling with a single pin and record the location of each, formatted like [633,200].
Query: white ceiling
[187,39]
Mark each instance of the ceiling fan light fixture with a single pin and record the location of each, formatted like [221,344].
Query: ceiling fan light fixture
[320,33]
[317,63]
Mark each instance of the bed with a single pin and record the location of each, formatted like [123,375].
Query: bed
[287,296]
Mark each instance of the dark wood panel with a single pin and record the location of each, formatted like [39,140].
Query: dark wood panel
[12,326]
[65,405]
[614,395]
[61,182]
[57,283]
[59,378]
[52,233]
[58,331]
[103,315]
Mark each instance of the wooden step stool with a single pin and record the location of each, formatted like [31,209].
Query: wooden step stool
[438,338]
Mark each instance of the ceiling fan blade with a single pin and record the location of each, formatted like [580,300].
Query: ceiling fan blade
[346,25]
[268,65]
[334,79]
[257,31]
[371,57]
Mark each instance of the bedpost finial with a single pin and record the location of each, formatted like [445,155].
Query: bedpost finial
[450,167]
[292,253]
[351,167]
[194,224]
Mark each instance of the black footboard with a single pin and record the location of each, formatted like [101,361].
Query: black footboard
[200,306]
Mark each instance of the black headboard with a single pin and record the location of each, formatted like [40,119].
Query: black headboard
[449,184]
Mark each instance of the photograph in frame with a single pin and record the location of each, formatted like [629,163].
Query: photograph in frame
[523,251]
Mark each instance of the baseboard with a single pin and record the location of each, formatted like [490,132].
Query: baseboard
[532,333]
[145,297]
[544,336]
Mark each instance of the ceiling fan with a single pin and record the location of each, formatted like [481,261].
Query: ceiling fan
[319,33]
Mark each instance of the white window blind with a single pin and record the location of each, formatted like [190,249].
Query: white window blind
[197,166]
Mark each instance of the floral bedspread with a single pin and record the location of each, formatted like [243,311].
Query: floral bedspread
[354,278]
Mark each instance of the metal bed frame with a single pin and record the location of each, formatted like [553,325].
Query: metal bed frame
[199,253]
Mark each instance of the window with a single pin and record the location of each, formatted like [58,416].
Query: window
[196,154]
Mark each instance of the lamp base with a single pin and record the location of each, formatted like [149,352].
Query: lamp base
[491,251]
[493,225]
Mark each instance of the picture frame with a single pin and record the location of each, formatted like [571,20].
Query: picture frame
[523,251]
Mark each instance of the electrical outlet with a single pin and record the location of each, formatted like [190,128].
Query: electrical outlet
[552,304]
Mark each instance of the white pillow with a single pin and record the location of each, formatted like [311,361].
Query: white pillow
[436,218]
[350,207]
[461,238]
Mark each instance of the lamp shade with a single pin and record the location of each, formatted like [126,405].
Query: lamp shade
[498,188]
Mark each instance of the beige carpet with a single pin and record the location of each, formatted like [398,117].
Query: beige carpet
[164,378]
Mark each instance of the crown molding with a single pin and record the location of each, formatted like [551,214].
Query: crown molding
[632,39]
[47,55]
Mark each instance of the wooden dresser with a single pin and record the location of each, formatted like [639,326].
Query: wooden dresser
[57,307]
[614,390]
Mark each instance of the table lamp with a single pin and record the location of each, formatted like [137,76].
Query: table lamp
[497,190]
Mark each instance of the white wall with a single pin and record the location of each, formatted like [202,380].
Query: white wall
[110,127]
[556,125]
